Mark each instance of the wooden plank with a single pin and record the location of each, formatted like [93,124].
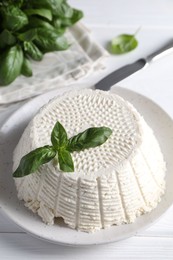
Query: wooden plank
[22,245]
[162,227]
[126,12]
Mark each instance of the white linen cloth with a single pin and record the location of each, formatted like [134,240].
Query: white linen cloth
[58,69]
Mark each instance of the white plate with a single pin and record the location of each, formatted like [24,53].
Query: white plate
[10,134]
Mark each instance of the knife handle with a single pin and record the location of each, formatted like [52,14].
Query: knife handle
[163,51]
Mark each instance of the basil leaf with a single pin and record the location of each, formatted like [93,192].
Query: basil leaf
[65,161]
[58,28]
[35,22]
[53,5]
[28,36]
[50,41]
[31,49]
[13,18]
[91,137]
[10,65]
[46,13]
[61,43]
[60,32]
[6,39]
[31,162]
[59,136]
[57,23]
[77,15]
[123,43]
[26,68]
[64,10]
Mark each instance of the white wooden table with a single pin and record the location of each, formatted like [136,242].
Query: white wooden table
[106,19]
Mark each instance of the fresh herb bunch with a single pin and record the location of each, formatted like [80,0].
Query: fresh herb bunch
[61,149]
[28,30]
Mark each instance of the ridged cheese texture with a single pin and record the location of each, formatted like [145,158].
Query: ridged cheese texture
[113,184]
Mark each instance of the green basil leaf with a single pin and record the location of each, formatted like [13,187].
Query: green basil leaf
[61,44]
[60,32]
[59,29]
[53,5]
[28,36]
[59,136]
[13,18]
[123,43]
[64,10]
[10,65]
[35,22]
[46,13]
[77,15]
[6,39]
[31,162]
[57,23]
[91,137]
[65,161]
[26,68]
[31,49]
[50,41]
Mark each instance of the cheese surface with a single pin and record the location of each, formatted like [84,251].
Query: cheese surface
[113,183]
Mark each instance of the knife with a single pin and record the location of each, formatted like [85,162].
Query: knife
[125,71]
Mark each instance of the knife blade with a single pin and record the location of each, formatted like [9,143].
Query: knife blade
[127,70]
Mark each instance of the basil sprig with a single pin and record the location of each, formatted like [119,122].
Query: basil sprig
[61,149]
[28,30]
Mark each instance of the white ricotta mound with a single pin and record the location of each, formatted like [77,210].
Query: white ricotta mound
[112,184]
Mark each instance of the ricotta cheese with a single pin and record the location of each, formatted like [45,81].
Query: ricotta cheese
[112,184]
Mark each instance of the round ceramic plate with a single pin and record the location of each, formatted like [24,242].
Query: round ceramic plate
[59,233]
